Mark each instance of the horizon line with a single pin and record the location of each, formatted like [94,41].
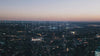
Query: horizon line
[49,21]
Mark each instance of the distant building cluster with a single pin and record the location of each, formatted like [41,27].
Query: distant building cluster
[33,38]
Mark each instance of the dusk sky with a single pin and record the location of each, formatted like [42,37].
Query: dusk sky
[50,10]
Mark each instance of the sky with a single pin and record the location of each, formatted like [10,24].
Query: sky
[50,10]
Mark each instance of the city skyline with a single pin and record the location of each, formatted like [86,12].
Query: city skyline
[50,10]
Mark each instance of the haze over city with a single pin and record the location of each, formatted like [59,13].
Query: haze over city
[50,10]
[49,27]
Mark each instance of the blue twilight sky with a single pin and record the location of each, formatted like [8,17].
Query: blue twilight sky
[50,10]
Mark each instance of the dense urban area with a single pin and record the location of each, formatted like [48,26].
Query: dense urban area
[49,38]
